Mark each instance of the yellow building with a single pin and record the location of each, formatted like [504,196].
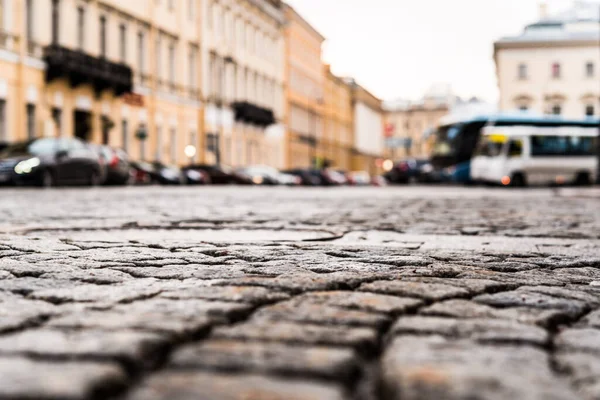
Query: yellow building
[409,126]
[368,130]
[124,73]
[304,94]
[243,80]
[336,144]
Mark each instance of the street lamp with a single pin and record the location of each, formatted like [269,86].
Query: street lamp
[220,131]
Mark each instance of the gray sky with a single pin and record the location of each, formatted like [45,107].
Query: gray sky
[399,48]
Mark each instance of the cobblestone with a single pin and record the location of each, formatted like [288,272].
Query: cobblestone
[228,293]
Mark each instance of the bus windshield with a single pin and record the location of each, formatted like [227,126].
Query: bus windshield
[445,138]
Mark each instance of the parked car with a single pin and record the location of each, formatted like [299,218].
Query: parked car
[115,165]
[50,161]
[196,177]
[265,175]
[308,177]
[167,174]
[406,171]
[359,178]
[334,177]
[379,181]
[221,174]
[261,174]
[141,173]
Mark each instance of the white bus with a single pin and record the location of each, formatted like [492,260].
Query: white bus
[526,155]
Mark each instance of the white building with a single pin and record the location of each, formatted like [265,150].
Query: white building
[553,67]
[243,63]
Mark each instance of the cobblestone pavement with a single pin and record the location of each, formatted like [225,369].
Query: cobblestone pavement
[296,294]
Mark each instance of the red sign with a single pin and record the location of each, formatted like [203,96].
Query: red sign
[133,99]
[389,130]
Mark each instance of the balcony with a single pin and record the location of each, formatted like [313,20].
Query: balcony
[253,114]
[80,69]
[8,41]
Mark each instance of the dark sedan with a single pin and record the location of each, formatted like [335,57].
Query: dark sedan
[50,161]
[406,171]
[221,174]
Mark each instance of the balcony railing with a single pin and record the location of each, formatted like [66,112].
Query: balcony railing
[8,41]
[34,49]
[81,68]
[253,114]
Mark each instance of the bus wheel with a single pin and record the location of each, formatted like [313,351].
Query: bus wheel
[518,180]
[583,179]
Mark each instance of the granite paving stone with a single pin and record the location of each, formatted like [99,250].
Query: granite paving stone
[191,385]
[436,292]
[340,364]
[23,378]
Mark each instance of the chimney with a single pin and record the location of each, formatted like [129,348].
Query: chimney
[543,10]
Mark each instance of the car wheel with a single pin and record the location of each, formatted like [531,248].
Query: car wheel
[518,180]
[583,179]
[94,179]
[46,179]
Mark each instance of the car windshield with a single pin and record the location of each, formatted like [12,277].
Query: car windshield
[33,147]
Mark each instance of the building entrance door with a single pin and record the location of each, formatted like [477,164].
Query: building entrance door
[83,125]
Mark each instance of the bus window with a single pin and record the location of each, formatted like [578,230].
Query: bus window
[562,146]
[515,148]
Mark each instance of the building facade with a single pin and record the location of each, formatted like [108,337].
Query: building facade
[553,67]
[304,94]
[368,130]
[335,147]
[408,127]
[243,79]
[108,71]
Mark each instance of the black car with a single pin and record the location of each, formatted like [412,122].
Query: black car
[49,162]
[406,171]
[310,177]
[115,165]
[221,174]
[167,174]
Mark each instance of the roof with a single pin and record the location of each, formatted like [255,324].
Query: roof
[291,13]
[517,117]
[580,23]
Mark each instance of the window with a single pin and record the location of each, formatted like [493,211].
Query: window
[57,118]
[556,109]
[123,42]
[159,144]
[103,36]
[141,51]
[589,70]
[173,145]
[158,57]
[589,110]
[81,27]
[3,137]
[556,70]
[29,19]
[55,21]
[210,10]
[171,5]
[515,148]
[523,108]
[172,63]
[241,35]
[522,71]
[30,121]
[125,135]
[192,67]
[191,10]
[562,146]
